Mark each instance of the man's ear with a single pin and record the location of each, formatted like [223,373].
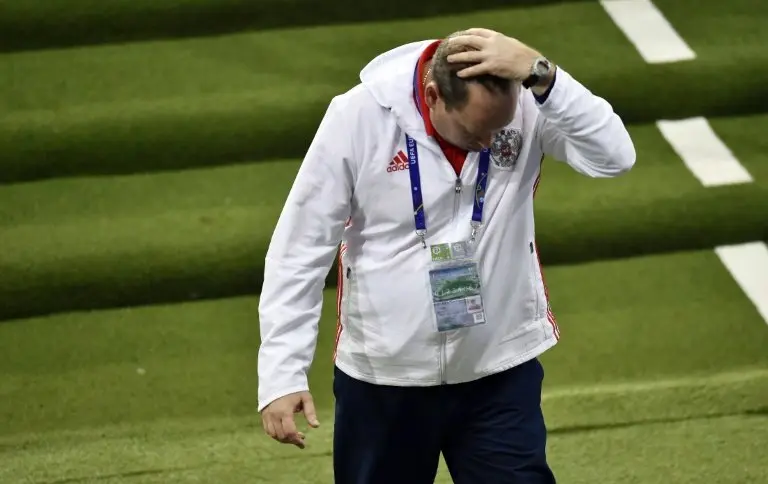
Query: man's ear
[431,95]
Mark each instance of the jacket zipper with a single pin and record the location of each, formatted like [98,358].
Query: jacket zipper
[456,199]
[443,336]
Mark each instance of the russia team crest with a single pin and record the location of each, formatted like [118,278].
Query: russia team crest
[506,147]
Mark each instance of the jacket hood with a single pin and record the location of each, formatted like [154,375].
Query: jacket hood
[389,78]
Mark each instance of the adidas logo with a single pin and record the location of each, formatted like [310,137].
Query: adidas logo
[399,162]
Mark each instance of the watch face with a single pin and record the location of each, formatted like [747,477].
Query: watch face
[542,67]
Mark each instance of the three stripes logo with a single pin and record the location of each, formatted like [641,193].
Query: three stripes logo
[399,162]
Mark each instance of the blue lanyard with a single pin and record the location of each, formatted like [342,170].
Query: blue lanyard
[418,201]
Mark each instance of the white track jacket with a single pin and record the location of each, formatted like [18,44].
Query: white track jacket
[352,197]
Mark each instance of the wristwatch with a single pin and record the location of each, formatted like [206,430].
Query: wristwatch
[540,68]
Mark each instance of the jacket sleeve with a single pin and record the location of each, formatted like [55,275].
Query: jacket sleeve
[581,129]
[300,255]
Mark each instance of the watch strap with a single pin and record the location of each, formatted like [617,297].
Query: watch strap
[531,81]
[536,73]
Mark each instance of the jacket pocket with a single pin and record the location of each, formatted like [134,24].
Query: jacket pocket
[361,332]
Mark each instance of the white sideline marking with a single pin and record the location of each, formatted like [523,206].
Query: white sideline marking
[703,152]
[650,32]
[748,264]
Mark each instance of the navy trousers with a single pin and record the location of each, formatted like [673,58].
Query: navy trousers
[490,431]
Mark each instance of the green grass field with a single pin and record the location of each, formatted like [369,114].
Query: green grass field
[144,162]
[166,393]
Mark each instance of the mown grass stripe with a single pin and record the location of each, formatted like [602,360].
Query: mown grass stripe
[238,98]
[199,358]
[83,243]
[658,396]
[39,24]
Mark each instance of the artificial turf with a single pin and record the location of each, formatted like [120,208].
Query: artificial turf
[35,24]
[127,108]
[657,354]
[153,172]
[668,317]
[725,450]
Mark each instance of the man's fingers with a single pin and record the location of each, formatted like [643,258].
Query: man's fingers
[278,426]
[269,426]
[289,427]
[297,440]
[309,411]
[480,32]
[475,70]
[279,419]
[292,435]
[284,430]
[470,56]
[472,41]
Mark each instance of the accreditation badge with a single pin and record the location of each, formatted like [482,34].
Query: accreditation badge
[455,284]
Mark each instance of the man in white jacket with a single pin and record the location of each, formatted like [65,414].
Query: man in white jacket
[422,179]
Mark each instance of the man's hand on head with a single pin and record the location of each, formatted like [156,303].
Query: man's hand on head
[496,54]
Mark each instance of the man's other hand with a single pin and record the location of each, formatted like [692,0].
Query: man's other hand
[278,418]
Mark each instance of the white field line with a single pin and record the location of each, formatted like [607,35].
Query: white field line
[703,152]
[648,30]
[748,264]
